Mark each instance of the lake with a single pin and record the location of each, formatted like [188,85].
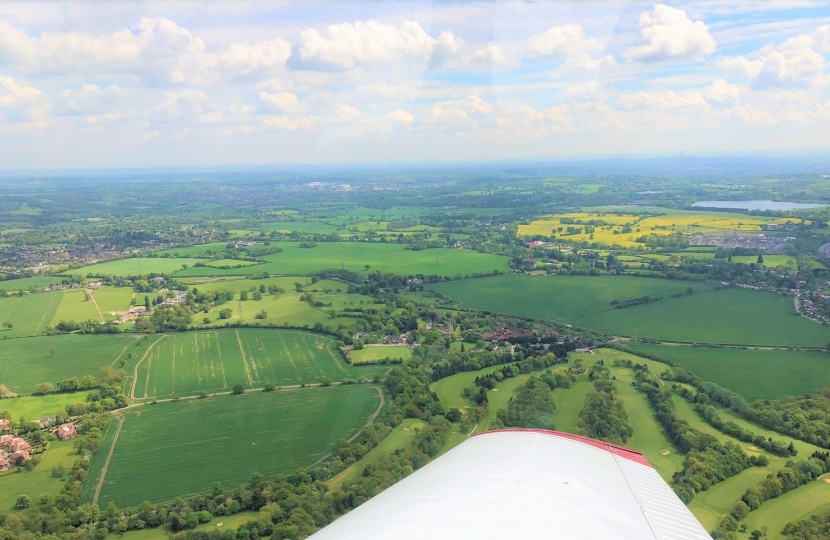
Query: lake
[757,205]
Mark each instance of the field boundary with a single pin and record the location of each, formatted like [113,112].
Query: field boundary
[138,364]
[369,422]
[120,418]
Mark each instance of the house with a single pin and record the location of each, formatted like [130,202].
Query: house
[46,421]
[5,440]
[4,465]
[158,279]
[66,431]
[19,457]
[4,425]
[19,445]
[394,340]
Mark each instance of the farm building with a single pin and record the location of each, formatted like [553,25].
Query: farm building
[528,484]
[4,425]
[66,431]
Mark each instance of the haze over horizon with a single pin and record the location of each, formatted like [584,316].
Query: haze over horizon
[172,85]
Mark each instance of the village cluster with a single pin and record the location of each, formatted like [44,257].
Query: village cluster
[16,450]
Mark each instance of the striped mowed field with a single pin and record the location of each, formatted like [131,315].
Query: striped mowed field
[170,449]
[216,360]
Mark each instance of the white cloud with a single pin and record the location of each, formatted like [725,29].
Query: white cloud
[670,33]
[722,93]
[490,57]
[661,100]
[176,105]
[793,64]
[347,45]
[560,41]
[346,113]
[159,52]
[583,92]
[283,101]
[21,103]
[91,99]
[400,116]
[585,62]
[283,123]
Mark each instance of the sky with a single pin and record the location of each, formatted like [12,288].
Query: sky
[149,84]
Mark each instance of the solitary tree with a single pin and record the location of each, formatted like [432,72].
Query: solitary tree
[238,389]
[760,259]
[23,501]
[147,303]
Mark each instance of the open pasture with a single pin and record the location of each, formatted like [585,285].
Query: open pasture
[753,373]
[373,353]
[25,284]
[623,229]
[77,306]
[38,481]
[136,266]
[354,256]
[310,227]
[796,505]
[169,449]
[26,362]
[216,360]
[30,314]
[34,407]
[111,299]
[280,309]
[727,316]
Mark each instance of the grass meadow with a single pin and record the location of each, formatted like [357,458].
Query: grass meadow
[353,256]
[75,307]
[798,504]
[169,449]
[34,407]
[135,266]
[735,316]
[24,284]
[373,353]
[38,481]
[753,373]
[30,314]
[26,362]
[216,360]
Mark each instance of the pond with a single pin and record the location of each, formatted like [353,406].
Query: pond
[757,205]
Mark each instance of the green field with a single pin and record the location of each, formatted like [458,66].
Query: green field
[75,307]
[735,316]
[373,353]
[136,266]
[449,389]
[26,362]
[30,314]
[173,448]
[39,481]
[648,437]
[111,299]
[24,284]
[709,506]
[798,504]
[34,407]
[398,438]
[311,227]
[354,256]
[753,373]
[216,360]
[569,403]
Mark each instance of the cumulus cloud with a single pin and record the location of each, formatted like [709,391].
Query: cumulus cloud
[488,57]
[670,33]
[661,100]
[400,116]
[176,105]
[722,93]
[560,41]
[283,101]
[159,51]
[20,102]
[284,123]
[91,100]
[793,64]
[344,46]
